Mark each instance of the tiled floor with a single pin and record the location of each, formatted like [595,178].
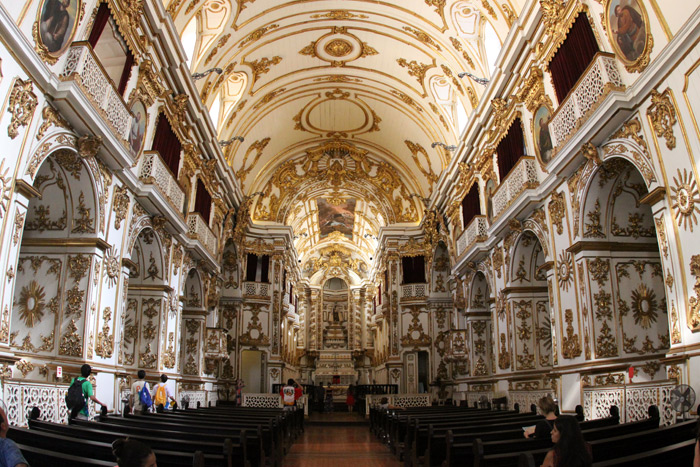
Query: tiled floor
[339,446]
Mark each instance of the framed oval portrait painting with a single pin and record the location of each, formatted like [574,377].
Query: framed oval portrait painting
[540,132]
[138,126]
[57,22]
[629,34]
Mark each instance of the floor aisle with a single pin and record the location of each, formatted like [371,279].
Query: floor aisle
[339,446]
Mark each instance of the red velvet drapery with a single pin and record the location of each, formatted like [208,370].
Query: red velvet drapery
[471,205]
[573,57]
[510,149]
[126,72]
[251,267]
[98,26]
[167,145]
[202,201]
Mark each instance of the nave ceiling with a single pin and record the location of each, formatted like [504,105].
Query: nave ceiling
[340,101]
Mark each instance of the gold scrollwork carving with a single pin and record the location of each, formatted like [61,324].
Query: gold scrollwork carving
[662,114]
[21,106]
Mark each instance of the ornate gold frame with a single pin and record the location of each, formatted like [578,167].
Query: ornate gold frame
[642,61]
[52,57]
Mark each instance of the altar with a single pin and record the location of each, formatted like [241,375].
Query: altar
[337,368]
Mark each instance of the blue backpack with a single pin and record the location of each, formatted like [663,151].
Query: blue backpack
[145,396]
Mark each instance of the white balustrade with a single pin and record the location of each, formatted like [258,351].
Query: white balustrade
[522,177]
[398,400]
[632,400]
[20,397]
[85,69]
[199,230]
[263,401]
[256,289]
[476,231]
[413,291]
[599,79]
[154,171]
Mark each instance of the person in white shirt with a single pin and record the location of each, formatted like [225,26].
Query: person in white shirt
[135,399]
[163,397]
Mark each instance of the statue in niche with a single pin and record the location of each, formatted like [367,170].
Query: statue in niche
[336,314]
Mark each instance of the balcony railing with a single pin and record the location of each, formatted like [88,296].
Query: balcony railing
[256,289]
[414,291]
[155,172]
[199,230]
[476,231]
[600,78]
[521,177]
[85,69]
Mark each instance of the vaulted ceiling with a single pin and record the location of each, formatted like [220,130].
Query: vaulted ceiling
[340,100]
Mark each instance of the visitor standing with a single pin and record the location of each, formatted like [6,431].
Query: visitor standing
[162,396]
[350,398]
[290,394]
[137,390]
[83,412]
[328,401]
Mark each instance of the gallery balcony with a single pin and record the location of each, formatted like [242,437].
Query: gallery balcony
[476,231]
[198,230]
[523,176]
[154,171]
[600,78]
[256,290]
[83,68]
[414,292]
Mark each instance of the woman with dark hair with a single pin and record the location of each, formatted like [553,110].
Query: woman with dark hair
[570,449]
[132,453]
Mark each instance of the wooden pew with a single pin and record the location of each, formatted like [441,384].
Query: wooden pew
[40,457]
[154,439]
[103,451]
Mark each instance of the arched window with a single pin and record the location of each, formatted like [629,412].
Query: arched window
[446,97]
[492,46]
[189,40]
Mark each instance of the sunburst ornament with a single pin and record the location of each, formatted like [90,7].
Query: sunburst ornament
[31,304]
[685,199]
[565,269]
[644,306]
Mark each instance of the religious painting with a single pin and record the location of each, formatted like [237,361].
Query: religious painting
[57,22]
[138,126]
[628,27]
[337,217]
[543,140]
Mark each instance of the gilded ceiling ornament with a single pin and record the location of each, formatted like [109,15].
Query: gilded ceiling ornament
[503,354]
[685,199]
[458,47]
[338,48]
[415,69]
[105,341]
[5,189]
[261,67]
[662,113]
[594,229]
[451,77]
[120,205]
[590,152]
[557,211]
[82,221]
[339,15]
[258,147]
[21,106]
[407,100]
[571,345]
[415,336]
[112,267]
[256,35]
[220,43]
[31,303]
[268,97]
[435,110]
[508,12]
[74,301]
[423,37]
[428,172]
[439,7]
[19,221]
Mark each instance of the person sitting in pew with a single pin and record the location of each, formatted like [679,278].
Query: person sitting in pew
[10,455]
[543,428]
[384,405]
[132,453]
[570,449]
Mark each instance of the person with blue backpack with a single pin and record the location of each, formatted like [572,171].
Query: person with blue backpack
[78,394]
[140,398]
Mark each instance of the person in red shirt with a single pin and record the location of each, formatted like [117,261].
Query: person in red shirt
[290,394]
